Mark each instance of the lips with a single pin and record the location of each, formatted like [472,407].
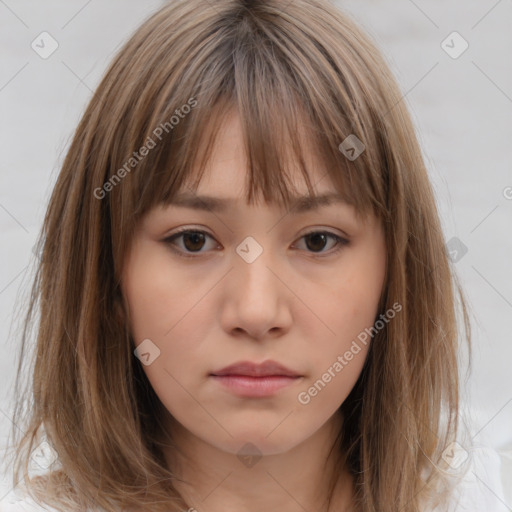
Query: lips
[250,369]
[256,381]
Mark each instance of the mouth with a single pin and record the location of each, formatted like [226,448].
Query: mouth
[252,380]
[250,369]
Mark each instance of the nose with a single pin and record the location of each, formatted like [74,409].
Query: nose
[257,298]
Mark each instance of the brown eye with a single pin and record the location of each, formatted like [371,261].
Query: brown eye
[316,241]
[192,241]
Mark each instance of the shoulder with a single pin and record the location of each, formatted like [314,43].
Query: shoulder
[13,503]
[482,480]
[482,487]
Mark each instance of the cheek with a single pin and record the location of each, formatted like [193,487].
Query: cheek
[338,357]
[155,295]
[348,306]
[158,312]
[355,295]
[142,290]
[165,308]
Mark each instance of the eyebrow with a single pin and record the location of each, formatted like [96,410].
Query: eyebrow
[299,204]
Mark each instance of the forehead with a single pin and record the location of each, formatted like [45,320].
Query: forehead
[221,204]
[229,161]
[225,176]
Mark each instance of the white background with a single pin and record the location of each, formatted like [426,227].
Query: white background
[462,109]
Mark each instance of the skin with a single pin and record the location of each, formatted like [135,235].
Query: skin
[298,303]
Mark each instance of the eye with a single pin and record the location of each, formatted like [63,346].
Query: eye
[193,241]
[316,241]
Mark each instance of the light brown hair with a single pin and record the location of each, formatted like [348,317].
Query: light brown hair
[282,65]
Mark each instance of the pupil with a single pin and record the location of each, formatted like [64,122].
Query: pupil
[316,237]
[194,237]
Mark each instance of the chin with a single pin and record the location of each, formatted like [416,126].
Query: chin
[258,443]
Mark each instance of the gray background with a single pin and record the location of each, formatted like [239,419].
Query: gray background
[462,109]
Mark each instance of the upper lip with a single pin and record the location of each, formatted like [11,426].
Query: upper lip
[250,369]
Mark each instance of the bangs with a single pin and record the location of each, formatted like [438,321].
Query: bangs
[289,99]
[274,148]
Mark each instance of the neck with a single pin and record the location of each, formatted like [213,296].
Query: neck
[211,479]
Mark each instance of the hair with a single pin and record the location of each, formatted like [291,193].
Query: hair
[288,69]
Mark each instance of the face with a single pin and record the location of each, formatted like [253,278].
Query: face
[253,284]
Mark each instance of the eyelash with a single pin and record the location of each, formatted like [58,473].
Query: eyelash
[340,241]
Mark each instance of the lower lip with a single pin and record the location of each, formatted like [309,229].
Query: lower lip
[246,386]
